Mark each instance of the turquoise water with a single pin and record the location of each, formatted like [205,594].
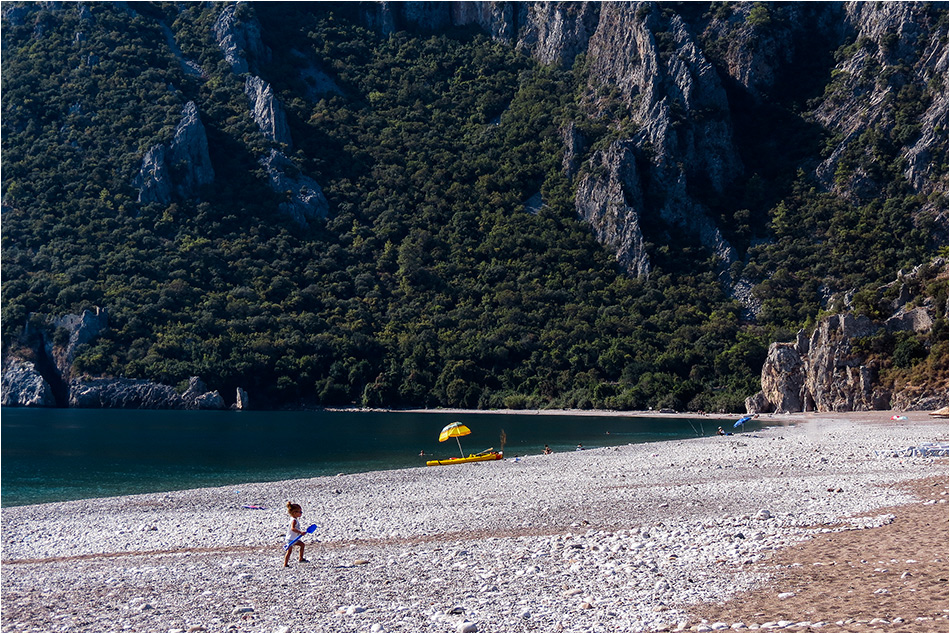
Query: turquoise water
[52,455]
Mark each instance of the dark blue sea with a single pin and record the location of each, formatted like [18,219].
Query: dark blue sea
[53,455]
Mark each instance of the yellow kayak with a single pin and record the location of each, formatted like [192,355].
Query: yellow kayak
[490,454]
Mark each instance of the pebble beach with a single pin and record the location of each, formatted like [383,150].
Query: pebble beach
[629,538]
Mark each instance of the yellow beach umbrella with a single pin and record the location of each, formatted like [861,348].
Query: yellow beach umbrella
[455,430]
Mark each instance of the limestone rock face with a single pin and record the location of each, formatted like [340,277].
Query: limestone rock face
[189,147]
[835,379]
[239,38]
[675,97]
[825,372]
[498,19]
[761,47]
[23,386]
[153,180]
[306,201]
[886,33]
[179,168]
[783,377]
[609,198]
[557,32]
[267,111]
[915,319]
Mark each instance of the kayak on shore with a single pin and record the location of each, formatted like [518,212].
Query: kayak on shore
[488,454]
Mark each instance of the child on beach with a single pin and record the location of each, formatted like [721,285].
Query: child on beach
[294,532]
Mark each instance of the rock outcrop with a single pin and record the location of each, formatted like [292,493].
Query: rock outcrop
[763,46]
[180,167]
[241,400]
[821,373]
[82,329]
[556,32]
[24,386]
[240,41]
[46,378]
[138,394]
[266,111]
[835,370]
[305,199]
[238,35]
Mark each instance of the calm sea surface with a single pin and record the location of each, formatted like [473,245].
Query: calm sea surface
[52,455]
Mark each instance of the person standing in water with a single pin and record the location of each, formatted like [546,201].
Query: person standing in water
[294,532]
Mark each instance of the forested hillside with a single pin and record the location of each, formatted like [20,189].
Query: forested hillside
[405,205]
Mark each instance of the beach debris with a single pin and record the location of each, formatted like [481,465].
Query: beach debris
[242,609]
[786,595]
[466,627]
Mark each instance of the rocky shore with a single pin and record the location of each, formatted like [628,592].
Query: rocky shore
[627,538]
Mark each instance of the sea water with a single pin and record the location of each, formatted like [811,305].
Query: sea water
[53,455]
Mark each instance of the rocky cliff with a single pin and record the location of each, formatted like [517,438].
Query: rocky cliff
[669,66]
[48,380]
[881,82]
[838,367]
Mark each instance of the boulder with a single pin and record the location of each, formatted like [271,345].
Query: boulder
[915,319]
[241,400]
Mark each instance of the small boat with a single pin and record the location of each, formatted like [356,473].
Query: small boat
[488,454]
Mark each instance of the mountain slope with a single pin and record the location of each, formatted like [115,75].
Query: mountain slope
[465,204]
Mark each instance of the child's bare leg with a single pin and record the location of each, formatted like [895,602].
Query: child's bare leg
[287,557]
[301,551]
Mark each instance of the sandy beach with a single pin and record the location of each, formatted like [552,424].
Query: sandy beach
[816,523]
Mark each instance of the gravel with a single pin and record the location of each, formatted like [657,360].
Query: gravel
[613,539]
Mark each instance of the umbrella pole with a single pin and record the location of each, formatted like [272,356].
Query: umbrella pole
[460,446]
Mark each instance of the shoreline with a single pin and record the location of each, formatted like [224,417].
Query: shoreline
[629,537]
[606,413]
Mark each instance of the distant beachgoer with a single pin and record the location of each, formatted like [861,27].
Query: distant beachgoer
[579,447]
[720,432]
[547,450]
[422,453]
[294,531]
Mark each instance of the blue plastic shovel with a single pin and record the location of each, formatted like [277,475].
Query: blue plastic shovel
[310,529]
